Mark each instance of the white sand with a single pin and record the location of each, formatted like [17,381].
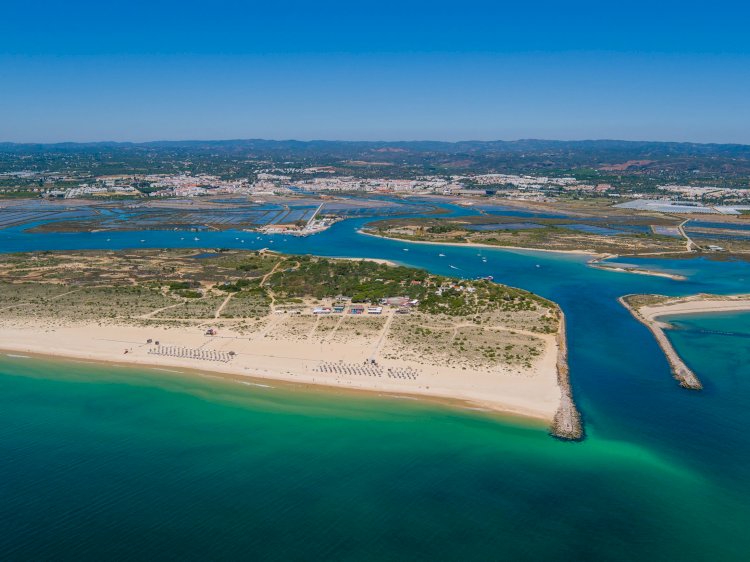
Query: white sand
[532,392]
[636,271]
[479,245]
[695,305]
[374,260]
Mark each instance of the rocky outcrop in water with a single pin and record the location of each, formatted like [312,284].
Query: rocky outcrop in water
[567,422]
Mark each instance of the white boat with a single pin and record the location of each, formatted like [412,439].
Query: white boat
[406,249]
[196,238]
[452,267]
[441,255]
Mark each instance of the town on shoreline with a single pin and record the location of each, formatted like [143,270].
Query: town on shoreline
[604,197]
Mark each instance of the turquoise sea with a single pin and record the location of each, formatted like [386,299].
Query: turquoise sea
[107,462]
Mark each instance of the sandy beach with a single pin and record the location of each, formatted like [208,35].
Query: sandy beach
[374,260]
[277,317]
[339,363]
[650,313]
[475,245]
[595,262]
[650,272]
[696,305]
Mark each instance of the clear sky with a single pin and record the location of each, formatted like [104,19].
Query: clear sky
[134,70]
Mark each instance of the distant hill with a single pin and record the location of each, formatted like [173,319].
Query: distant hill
[637,148]
[527,155]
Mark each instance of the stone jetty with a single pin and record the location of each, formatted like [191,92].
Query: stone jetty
[567,422]
[681,372]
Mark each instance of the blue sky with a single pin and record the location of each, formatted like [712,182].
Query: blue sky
[384,70]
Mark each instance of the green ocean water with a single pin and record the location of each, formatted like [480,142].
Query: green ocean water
[103,462]
[112,463]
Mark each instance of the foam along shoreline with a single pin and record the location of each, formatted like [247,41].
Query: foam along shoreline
[532,393]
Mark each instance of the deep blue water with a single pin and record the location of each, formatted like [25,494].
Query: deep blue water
[621,383]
